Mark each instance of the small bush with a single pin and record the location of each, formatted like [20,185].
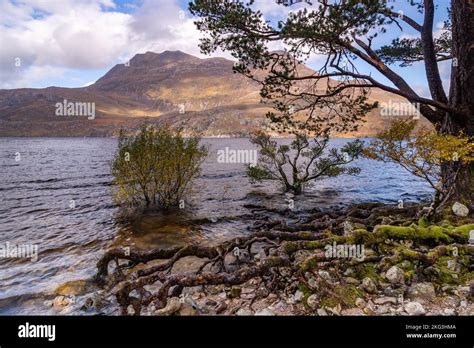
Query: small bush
[155,167]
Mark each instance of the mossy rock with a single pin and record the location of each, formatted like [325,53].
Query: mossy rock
[433,235]
[406,265]
[452,277]
[461,233]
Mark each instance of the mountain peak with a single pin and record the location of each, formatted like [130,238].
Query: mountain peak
[159,59]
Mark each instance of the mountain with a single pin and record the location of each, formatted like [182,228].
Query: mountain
[172,87]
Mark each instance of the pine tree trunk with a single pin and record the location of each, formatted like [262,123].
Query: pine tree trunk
[462,98]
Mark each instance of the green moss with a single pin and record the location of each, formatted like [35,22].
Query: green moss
[310,263]
[406,265]
[344,295]
[363,236]
[432,234]
[409,274]
[290,247]
[446,224]
[364,270]
[446,274]
[306,293]
[305,234]
[461,233]
[329,302]
[410,254]
[314,244]
[423,222]
[274,261]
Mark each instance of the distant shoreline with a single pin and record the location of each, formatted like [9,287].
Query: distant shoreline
[115,137]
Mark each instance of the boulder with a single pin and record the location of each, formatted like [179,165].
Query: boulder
[460,209]
[395,275]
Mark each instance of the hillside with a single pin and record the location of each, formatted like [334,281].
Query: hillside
[171,87]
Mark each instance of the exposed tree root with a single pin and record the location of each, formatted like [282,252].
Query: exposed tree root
[263,254]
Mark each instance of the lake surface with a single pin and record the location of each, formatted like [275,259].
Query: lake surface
[55,194]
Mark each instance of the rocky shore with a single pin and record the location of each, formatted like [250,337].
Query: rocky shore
[409,266]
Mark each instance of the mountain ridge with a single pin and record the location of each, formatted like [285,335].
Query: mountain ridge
[172,87]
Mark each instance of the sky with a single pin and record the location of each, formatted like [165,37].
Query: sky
[72,43]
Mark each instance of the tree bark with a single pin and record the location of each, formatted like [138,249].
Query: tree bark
[461,97]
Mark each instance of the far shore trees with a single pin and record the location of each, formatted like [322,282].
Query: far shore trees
[346,33]
[155,168]
[305,160]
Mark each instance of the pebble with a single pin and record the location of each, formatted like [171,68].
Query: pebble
[382,309]
[369,285]
[280,306]
[360,302]
[173,305]
[414,308]
[449,311]
[312,301]
[243,312]
[353,281]
[352,311]
[313,283]
[61,301]
[325,275]
[421,292]
[298,296]
[265,312]
[321,312]
[385,300]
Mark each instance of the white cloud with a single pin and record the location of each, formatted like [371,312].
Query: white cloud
[49,35]
[54,38]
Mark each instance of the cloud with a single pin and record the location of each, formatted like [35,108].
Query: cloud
[54,40]
[55,36]
[71,35]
